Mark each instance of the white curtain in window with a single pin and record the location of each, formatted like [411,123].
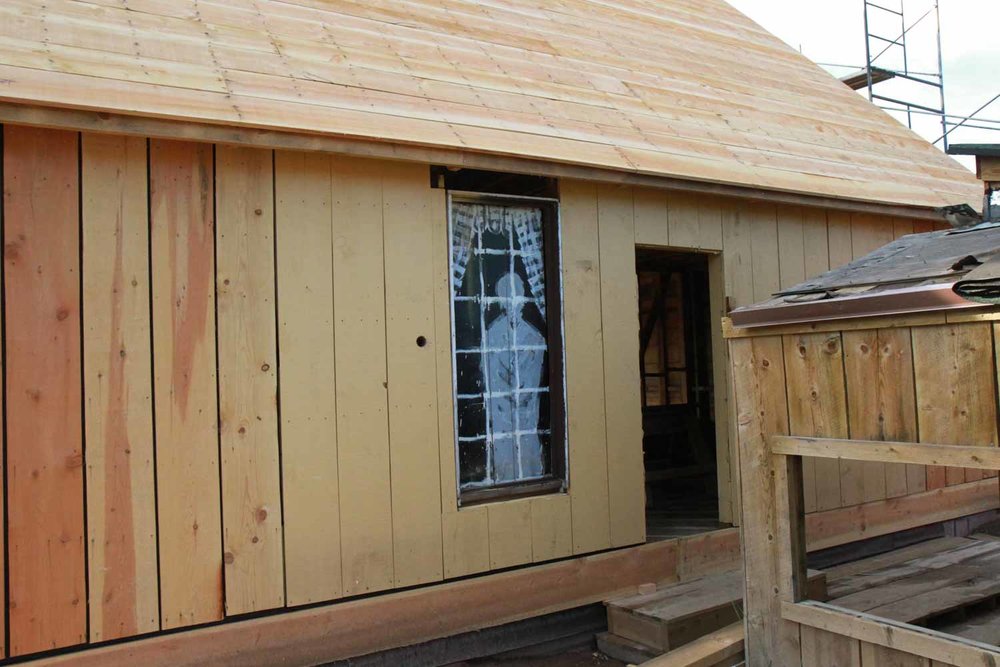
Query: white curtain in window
[471,219]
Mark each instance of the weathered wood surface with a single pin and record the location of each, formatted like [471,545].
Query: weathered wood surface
[761,411]
[955,384]
[856,626]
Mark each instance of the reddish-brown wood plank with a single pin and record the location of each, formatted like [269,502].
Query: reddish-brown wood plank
[47,592]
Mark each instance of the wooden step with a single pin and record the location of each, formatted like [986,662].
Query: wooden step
[722,648]
[676,614]
[625,650]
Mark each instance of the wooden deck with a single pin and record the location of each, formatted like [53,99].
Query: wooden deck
[950,584]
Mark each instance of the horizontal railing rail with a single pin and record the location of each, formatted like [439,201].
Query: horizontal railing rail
[949,456]
[788,550]
[937,646]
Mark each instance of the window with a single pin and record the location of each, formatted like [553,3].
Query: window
[507,346]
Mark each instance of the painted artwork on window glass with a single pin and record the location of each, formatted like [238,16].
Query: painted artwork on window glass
[501,351]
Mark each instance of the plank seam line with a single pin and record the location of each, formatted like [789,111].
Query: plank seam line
[4,649]
[277,375]
[218,405]
[83,383]
[152,375]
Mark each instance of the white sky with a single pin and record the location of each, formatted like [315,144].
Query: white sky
[832,31]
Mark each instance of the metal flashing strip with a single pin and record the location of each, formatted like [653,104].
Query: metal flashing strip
[923,298]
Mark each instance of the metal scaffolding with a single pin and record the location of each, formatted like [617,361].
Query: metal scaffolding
[874,74]
[911,102]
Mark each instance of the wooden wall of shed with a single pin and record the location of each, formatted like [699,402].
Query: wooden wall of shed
[215,404]
[214,400]
[916,379]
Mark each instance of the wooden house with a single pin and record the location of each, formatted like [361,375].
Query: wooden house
[331,327]
[871,378]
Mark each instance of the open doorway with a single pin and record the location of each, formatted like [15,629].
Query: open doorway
[678,416]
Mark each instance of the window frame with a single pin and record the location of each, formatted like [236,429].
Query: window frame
[558,479]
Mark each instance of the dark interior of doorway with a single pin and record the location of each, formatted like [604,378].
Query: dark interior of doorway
[678,419]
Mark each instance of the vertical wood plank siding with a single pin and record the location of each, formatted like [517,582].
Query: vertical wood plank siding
[118,407]
[45,522]
[182,243]
[413,419]
[304,241]
[362,396]
[285,342]
[248,369]
[620,326]
[584,349]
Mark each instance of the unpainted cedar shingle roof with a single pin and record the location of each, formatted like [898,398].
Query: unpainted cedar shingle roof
[680,88]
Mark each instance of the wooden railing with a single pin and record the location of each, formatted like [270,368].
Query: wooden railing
[788,555]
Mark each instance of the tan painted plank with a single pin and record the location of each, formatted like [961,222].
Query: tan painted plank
[465,541]
[868,233]
[413,421]
[362,411]
[954,374]
[465,533]
[791,246]
[585,408]
[815,241]
[841,246]
[829,649]
[620,327]
[248,380]
[725,456]
[817,406]
[182,263]
[710,223]
[737,256]
[902,227]
[551,527]
[45,515]
[651,214]
[737,264]
[118,383]
[685,228]
[510,533]
[307,383]
[766,273]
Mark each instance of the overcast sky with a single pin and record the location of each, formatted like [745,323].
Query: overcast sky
[832,31]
